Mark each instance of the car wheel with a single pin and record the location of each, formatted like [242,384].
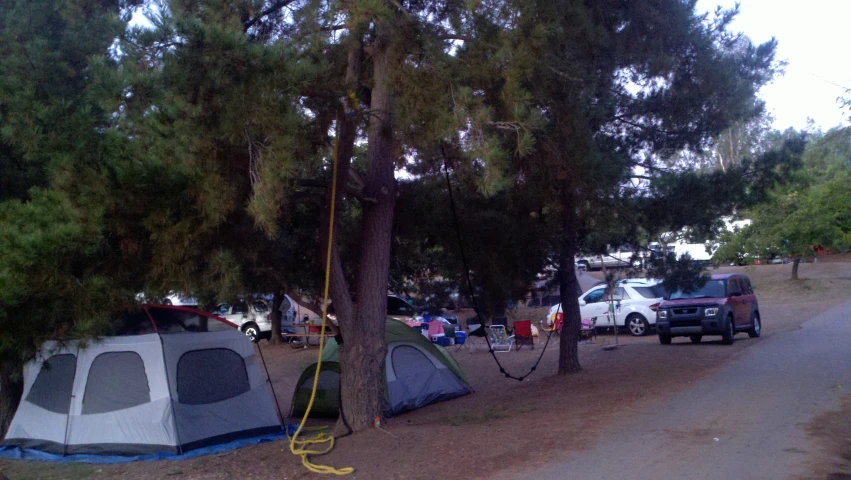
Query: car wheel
[729,331]
[166,301]
[253,332]
[756,326]
[637,265]
[665,339]
[695,338]
[637,325]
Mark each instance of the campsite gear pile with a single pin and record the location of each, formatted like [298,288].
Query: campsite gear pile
[179,380]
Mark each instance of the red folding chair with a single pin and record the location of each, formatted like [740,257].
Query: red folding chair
[523,334]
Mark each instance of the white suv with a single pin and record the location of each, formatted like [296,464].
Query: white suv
[635,302]
[251,316]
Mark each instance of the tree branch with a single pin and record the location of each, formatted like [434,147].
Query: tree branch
[275,7]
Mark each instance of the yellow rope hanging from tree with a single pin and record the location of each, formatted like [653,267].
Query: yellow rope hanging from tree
[299,447]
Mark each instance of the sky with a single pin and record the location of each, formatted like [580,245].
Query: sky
[813,38]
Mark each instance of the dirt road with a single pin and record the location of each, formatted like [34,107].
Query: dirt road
[745,421]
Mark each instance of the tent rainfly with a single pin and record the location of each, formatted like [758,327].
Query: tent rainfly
[169,391]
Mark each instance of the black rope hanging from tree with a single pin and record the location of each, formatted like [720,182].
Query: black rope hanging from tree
[470,283]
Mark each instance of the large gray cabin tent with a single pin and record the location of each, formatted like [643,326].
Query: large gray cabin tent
[164,392]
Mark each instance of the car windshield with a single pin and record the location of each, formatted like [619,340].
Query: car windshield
[260,306]
[712,289]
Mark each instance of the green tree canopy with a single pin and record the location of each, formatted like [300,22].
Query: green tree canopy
[812,210]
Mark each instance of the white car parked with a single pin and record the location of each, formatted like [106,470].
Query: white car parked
[251,316]
[635,302]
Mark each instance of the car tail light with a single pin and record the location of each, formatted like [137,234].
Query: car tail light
[655,306]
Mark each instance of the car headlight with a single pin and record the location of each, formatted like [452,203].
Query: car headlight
[710,312]
[662,313]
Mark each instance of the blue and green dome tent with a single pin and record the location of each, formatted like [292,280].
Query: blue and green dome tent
[418,373]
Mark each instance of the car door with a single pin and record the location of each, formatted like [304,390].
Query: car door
[595,306]
[737,300]
[748,298]
[260,313]
[238,313]
[624,256]
[622,302]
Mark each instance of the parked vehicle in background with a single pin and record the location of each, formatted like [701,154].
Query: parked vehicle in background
[622,257]
[252,316]
[725,306]
[634,301]
[176,299]
[180,300]
[397,308]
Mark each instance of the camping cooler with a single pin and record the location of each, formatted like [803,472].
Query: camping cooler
[460,338]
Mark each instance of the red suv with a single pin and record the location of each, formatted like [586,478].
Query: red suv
[726,305]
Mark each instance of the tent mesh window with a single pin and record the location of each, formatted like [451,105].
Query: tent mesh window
[52,387]
[117,380]
[210,376]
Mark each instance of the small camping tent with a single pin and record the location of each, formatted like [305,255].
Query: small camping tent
[418,373]
[164,392]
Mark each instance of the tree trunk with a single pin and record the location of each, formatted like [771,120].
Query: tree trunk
[568,359]
[11,389]
[277,300]
[795,262]
[362,355]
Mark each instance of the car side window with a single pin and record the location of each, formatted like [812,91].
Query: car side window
[241,307]
[620,294]
[733,287]
[595,296]
[746,284]
[221,309]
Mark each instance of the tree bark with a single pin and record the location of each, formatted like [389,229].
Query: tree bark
[795,262]
[277,300]
[11,389]
[362,355]
[568,359]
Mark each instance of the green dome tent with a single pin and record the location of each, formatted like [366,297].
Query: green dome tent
[418,373]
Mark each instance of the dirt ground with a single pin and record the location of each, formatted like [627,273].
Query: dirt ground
[514,426]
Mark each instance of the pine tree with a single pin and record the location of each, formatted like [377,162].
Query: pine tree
[55,138]
[617,86]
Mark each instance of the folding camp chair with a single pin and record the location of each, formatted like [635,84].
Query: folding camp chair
[475,333]
[553,331]
[504,322]
[453,337]
[588,330]
[499,338]
[523,334]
